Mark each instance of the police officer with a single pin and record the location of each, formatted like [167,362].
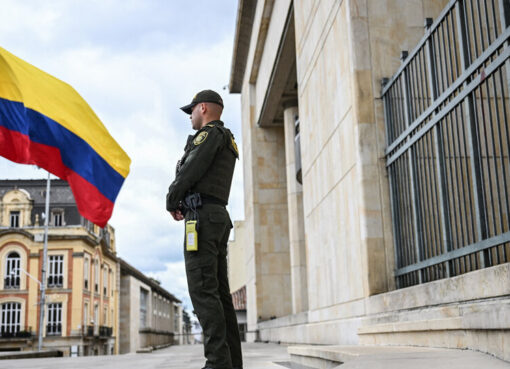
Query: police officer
[199,195]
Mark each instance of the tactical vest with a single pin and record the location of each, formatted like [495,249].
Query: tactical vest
[217,180]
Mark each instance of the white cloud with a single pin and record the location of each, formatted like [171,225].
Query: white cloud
[39,24]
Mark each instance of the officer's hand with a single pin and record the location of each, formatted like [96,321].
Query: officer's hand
[177,215]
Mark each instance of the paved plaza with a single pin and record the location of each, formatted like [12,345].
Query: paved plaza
[256,356]
[273,356]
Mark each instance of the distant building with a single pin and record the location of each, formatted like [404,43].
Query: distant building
[82,294]
[237,275]
[186,337]
[150,316]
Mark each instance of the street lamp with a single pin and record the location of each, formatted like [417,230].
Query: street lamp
[41,317]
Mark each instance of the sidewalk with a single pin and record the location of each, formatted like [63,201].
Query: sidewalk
[256,356]
[272,356]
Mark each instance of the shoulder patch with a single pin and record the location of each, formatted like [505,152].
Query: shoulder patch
[200,138]
[209,125]
[234,145]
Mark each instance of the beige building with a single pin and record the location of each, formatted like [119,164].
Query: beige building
[150,316]
[82,294]
[237,275]
[375,215]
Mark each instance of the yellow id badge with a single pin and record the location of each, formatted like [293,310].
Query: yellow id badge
[191,236]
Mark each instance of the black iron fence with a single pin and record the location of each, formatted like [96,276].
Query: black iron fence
[447,112]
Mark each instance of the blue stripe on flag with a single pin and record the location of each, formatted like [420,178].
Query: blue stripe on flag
[76,154]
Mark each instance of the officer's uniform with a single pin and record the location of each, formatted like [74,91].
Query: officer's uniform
[206,168]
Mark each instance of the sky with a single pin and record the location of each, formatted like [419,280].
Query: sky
[135,62]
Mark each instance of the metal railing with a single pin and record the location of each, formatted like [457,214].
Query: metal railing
[105,331]
[12,282]
[447,116]
[55,281]
[15,333]
[54,329]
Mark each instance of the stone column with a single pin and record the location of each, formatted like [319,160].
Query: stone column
[296,216]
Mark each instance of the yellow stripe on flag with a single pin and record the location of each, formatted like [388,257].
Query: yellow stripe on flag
[39,91]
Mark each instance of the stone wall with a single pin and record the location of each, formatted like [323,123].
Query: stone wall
[124,316]
[130,338]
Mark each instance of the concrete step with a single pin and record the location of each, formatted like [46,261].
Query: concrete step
[389,357]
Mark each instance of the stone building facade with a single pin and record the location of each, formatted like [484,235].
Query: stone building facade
[82,293]
[150,316]
[320,258]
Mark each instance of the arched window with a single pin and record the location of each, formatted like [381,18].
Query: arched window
[12,270]
[10,319]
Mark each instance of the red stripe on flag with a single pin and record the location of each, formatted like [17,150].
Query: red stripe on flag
[91,203]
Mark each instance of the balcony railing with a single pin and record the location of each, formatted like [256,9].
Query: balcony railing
[6,334]
[11,282]
[55,281]
[54,329]
[105,331]
[98,331]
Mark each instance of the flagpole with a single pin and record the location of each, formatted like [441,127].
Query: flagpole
[45,256]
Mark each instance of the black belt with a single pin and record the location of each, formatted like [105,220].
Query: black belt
[196,200]
[207,199]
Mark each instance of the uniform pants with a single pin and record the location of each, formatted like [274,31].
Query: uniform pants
[206,271]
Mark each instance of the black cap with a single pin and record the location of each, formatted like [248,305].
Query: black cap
[209,96]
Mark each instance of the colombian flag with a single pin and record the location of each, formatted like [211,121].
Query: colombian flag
[44,121]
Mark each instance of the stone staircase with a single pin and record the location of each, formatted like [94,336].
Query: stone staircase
[389,357]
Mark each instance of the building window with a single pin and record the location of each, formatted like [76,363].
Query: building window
[105,281]
[14,219]
[86,314]
[112,282]
[143,307]
[12,270]
[176,317]
[96,315]
[54,327]
[57,218]
[96,276]
[105,315]
[56,271]
[11,318]
[86,272]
